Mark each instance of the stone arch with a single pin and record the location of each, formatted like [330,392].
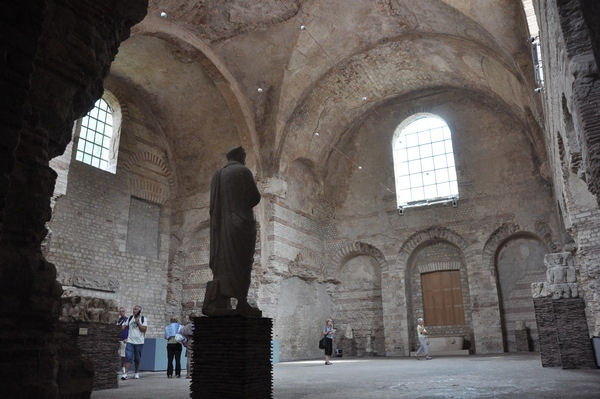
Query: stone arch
[496,239]
[431,234]
[152,158]
[349,250]
[216,69]
[360,320]
[482,291]
[510,230]
[514,295]
[436,250]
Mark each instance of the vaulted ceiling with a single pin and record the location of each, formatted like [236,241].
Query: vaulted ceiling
[269,74]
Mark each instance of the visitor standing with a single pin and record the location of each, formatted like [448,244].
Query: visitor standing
[328,332]
[422,335]
[137,325]
[173,348]
[123,338]
[188,333]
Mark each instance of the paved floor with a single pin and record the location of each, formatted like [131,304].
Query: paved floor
[502,376]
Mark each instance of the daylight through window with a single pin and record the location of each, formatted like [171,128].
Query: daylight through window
[95,136]
[424,161]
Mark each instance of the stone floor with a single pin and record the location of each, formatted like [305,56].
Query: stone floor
[501,376]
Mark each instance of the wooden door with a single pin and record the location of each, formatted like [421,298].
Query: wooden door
[442,298]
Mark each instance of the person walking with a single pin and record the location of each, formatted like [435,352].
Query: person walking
[173,348]
[422,335]
[188,333]
[137,325]
[328,332]
[123,338]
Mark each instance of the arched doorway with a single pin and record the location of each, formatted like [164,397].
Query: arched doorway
[519,261]
[438,290]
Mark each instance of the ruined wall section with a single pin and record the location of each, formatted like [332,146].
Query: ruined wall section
[93,241]
[571,102]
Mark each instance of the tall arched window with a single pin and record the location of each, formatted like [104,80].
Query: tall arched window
[98,138]
[424,161]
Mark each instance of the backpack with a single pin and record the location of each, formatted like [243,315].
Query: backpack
[131,317]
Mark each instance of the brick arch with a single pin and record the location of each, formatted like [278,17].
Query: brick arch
[501,235]
[118,96]
[136,159]
[434,233]
[350,250]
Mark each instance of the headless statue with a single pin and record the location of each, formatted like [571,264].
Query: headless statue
[233,194]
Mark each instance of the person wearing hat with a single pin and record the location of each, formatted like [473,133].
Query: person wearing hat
[422,334]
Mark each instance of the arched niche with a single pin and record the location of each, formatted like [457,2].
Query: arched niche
[437,281]
[357,301]
[518,262]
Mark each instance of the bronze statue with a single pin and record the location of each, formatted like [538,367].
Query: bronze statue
[233,194]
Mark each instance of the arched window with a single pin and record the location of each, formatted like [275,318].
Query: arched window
[424,161]
[98,137]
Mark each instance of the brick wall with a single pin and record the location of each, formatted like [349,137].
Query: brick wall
[91,222]
[571,68]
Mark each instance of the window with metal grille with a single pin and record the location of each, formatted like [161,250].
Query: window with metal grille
[95,136]
[424,161]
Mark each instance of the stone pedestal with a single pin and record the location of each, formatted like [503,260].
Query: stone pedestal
[232,358]
[522,340]
[521,337]
[99,343]
[563,331]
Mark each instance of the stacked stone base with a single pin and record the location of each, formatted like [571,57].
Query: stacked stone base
[563,331]
[232,358]
[99,344]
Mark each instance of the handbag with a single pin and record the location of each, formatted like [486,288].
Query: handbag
[322,343]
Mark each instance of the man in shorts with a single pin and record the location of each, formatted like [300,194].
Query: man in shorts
[123,339]
[137,325]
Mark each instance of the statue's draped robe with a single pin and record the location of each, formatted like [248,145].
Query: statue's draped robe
[233,194]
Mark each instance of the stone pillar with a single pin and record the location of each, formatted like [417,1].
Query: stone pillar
[560,316]
[232,358]
[98,343]
[49,82]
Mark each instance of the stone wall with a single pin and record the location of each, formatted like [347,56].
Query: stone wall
[55,85]
[519,262]
[499,183]
[94,242]
[568,37]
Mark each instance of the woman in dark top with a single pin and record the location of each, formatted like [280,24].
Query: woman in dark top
[328,332]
